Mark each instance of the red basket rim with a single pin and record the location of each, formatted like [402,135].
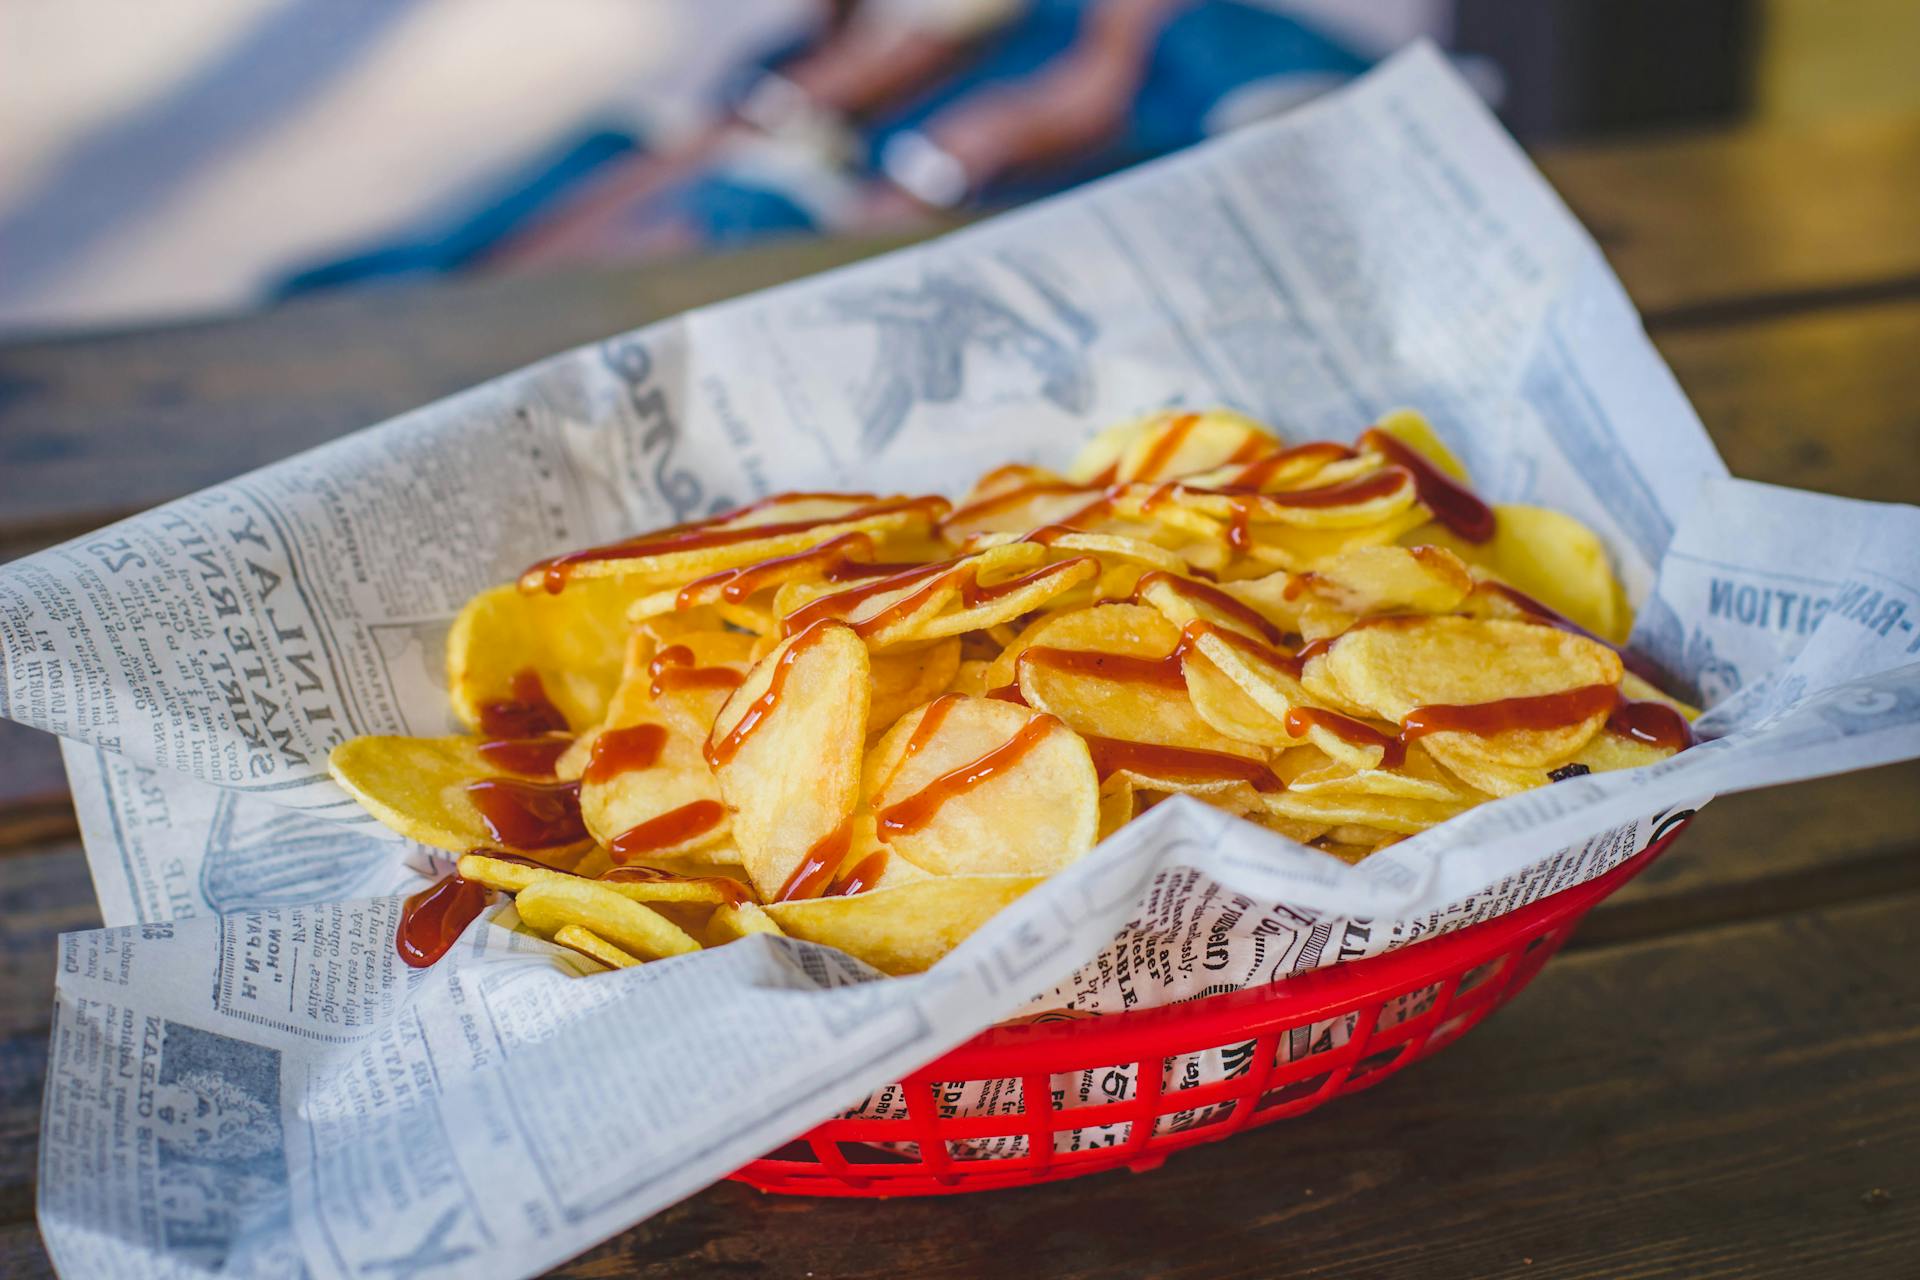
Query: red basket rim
[1292,1001]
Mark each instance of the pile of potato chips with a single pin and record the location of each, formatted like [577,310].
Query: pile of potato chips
[873,721]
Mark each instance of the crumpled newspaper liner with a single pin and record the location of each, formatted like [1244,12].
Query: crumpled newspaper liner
[1386,246]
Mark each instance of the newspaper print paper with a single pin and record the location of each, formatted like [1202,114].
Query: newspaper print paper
[246,1081]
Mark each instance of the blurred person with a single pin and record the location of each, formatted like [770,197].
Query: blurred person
[186,158]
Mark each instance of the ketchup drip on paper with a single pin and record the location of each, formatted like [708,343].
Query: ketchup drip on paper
[434,918]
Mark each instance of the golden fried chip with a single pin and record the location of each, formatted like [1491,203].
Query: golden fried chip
[594,947]
[777,526]
[548,905]
[1397,665]
[906,678]
[1224,704]
[975,785]
[738,920]
[1179,442]
[1116,804]
[647,793]
[1413,430]
[1388,813]
[787,748]
[520,663]
[1365,581]
[444,793]
[905,929]
[1111,672]
[689,680]
[1552,558]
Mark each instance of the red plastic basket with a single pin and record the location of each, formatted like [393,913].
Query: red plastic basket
[1404,1005]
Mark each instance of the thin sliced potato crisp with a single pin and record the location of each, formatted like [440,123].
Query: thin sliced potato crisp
[549,905]
[903,930]
[444,793]
[872,721]
[786,750]
[974,785]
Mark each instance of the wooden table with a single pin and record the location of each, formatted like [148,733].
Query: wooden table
[1721,1076]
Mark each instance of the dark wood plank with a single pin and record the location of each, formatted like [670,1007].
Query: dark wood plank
[1743,1102]
[22,1256]
[46,893]
[1699,225]
[1826,399]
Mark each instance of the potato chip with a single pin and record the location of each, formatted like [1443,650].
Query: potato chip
[737,920]
[970,678]
[689,680]
[776,526]
[1111,672]
[1388,813]
[786,750]
[1552,558]
[906,678]
[520,663]
[1352,504]
[1297,549]
[973,785]
[444,793]
[647,793]
[1226,706]
[1396,666]
[1116,805]
[549,905]
[594,947]
[1294,634]
[1366,581]
[1413,430]
[1175,443]
[905,929]
[1418,777]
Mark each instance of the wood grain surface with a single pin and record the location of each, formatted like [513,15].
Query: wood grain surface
[1721,1076]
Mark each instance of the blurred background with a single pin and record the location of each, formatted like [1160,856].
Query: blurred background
[163,160]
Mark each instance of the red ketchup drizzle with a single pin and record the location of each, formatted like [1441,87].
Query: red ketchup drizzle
[1484,719]
[929,579]
[434,918]
[618,751]
[1262,470]
[671,828]
[1654,723]
[1452,503]
[672,668]
[553,573]
[534,756]
[817,869]
[1179,764]
[529,815]
[865,874]
[525,713]
[1167,446]
[1009,693]
[914,813]
[720,750]
[735,585]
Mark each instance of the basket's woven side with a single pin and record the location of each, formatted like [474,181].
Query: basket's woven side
[1313,1038]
